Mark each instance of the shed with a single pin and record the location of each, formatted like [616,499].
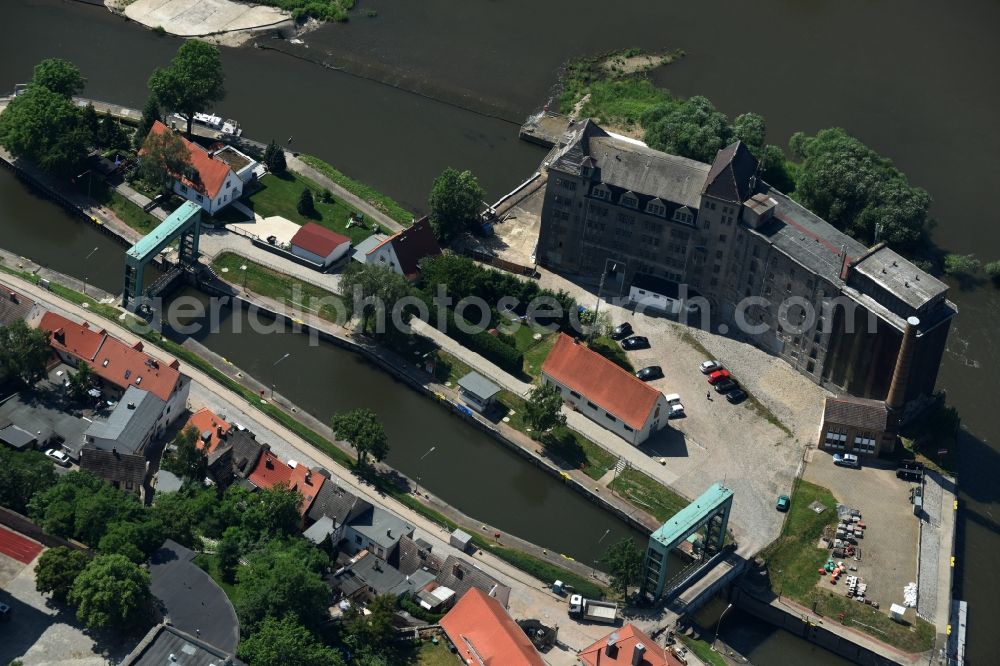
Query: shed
[461,540]
[319,245]
[477,391]
[17,438]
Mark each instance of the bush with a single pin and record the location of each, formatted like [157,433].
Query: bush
[488,346]
[993,270]
[960,264]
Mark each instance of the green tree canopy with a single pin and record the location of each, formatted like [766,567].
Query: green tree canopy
[751,130]
[150,114]
[111,134]
[24,352]
[81,381]
[164,158]
[262,515]
[136,540]
[60,76]
[188,513]
[372,636]
[285,642]
[305,205]
[455,201]
[278,581]
[228,553]
[691,128]
[187,460]
[57,570]
[46,128]
[111,592]
[274,158]
[363,431]
[624,562]
[22,474]
[81,506]
[192,82]
[543,408]
[374,293]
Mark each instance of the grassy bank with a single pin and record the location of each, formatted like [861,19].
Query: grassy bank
[647,493]
[703,650]
[384,203]
[279,286]
[279,195]
[323,10]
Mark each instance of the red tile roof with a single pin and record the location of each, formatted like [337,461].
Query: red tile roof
[597,379]
[205,420]
[270,472]
[318,240]
[111,359]
[627,638]
[484,633]
[211,172]
[411,245]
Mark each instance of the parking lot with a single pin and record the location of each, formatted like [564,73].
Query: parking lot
[889,547]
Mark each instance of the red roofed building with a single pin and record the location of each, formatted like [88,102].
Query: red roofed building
[627,646]
[211,429]
[484,634]
[270,472]
[401,252]
[319,245]
[604,392]
[117,365]
[218,176]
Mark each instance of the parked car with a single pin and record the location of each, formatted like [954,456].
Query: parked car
[621,331]
[718,376]
[650,373]
[635,342]
[676,411]
[58,457]
[914,475]
[673,398]
[736,396]
[725,386]
[846,460]
[708,367]
[784,501]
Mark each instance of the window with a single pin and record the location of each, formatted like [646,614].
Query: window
[865,442]
[591,405]
[600,193]
[574,394]
[357,539]
[128,485]
[655,208]
[722,238]
[629,429]
[836,438]
[718,254]
[199,197]
[609,417]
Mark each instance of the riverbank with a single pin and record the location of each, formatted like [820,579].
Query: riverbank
[222,22]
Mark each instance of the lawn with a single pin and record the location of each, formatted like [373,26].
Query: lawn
[563,442]
[279,286]
[369,194]
[703,650]
[210,564]
[436,655]
[279,195]
[612,351]
[535,351]
[126,211]
[647,493]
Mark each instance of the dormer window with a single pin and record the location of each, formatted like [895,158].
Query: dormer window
[683,215]
[600,192]
[629,200]
[656,207]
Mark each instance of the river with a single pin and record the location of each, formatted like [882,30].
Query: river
[909,78]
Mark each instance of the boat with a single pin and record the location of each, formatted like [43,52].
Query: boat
[217,123]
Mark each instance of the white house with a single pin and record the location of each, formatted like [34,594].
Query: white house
[649,292]
[216,178]
[319,245]
[605,393]
[402,251]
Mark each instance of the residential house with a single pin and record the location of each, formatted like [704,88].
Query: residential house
[366,577]
[331,511]
[14,306]
[270,471]
[452,573]
[856,425]
[402,251]
[483,633]
[628,646]
[477,392]
[118,366]
[129,427]
[757,257]
[35,418]
[319,245]
[376,530]
[216,177]
[125,471]
[166,644]
[232,452]
[604,392]
[212,430]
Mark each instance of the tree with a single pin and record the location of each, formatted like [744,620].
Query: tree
[136,540]
[961,264]
[305,205]
[751,130]
[191,511]
[543,408]
[274,158]
[372,635]
[624,562]
[45,127]
[362,430]
[111,592]
[692,128]
[261,516]
[187,460]
[60,76]
[81,506]
[24,352]
[228,554]
[282,579]
[57,570]
[22,475]
[150,114]
[774,169]
[376,291]
[455,201]
[111,135]
[193,80]
[164,158]
[81,381]
[285,642]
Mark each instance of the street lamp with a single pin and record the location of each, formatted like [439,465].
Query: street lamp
[281,359]
[85,260]
[718,624]
[244,269]
[615,265]
[429,451]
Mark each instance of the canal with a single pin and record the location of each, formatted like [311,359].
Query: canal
[906,77]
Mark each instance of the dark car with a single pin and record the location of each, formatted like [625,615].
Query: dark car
[913,475]
[650,373]
[635,342]
[725,386]
[736,396]
[621,331]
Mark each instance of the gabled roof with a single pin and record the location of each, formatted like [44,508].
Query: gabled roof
[318,240]
[616,391]
[111,359]
[114,465]
[381,527]
[484,634]
[623,642]
[270,472]
[211,172]
[336,503]
[861,413]
[462,576]
[13,306]
[413,244]
[130,422]
[478,385]
[205,421]
[731,174]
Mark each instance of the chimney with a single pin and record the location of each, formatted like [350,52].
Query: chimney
[131,405]
[60,336]
[388,533]
[638,654]
[611,649]
[897,390]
